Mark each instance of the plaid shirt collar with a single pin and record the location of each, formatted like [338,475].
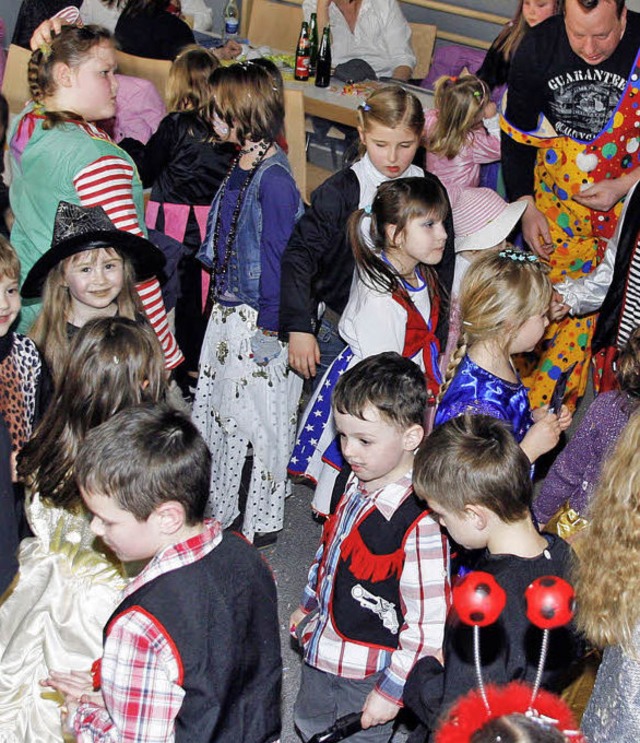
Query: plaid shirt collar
[178,555]
[389,498]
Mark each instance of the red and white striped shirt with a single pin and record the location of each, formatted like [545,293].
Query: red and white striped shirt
[107,182]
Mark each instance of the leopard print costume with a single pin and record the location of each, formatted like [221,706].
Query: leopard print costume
[20,375]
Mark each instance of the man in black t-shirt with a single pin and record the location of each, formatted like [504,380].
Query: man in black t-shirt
[574,70]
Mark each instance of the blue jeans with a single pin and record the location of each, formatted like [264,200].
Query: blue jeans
[331,345]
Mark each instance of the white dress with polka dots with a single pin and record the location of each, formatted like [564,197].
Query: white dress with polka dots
[238,403]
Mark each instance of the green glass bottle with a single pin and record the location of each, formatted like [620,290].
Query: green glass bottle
[313,43]
[323,67]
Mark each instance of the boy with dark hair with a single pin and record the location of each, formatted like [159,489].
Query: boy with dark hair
[375,601]
[476,479]
[193,650]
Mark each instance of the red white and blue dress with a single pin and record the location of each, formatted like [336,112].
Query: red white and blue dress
[372,322]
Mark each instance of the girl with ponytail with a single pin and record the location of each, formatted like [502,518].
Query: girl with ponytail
[393,306]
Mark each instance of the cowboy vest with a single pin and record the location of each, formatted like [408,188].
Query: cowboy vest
[365,603]
[221,617]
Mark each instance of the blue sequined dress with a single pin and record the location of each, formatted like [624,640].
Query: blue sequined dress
[475,390]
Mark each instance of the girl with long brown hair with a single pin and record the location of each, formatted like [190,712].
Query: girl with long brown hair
[68,584]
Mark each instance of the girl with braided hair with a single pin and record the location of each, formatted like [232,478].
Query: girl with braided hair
[246,393]
[59,154]
[504,302]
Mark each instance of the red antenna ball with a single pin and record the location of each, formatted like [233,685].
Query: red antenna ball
[550,602]
[479,599]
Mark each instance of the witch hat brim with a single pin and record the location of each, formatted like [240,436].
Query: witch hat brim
[147,259]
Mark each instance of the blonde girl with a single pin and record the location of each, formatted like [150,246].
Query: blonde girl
[461,131]
[504,301]
[495,66]
[246,394]
[68,583]
[607,592]
[184,166]
[89,272]
[318,264]
[393,306]
[59,154]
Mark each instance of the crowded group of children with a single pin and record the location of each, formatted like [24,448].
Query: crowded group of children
[397,293]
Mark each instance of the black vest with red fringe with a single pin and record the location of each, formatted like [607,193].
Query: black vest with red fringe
[365,603]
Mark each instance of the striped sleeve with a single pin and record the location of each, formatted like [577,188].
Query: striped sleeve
[107,182]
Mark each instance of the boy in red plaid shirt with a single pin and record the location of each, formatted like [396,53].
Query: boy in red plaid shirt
[375,602]
[193,651]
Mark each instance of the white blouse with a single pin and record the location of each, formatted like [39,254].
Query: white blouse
[382,36]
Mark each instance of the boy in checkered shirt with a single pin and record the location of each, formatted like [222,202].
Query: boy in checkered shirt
[375,602]
[192,652]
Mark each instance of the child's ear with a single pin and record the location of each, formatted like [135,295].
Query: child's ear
[171,517]
[391,233]
[478,516]
[62,75]
[413,437]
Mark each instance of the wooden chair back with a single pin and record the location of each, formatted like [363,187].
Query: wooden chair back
[307,176]
[296,137]
[154,70]
[423,39]
[275,24]
[15,85]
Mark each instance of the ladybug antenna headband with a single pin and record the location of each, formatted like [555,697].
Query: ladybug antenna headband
[479,600]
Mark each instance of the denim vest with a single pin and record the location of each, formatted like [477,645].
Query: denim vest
[243,272]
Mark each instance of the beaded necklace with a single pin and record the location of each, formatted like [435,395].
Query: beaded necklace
[219,271]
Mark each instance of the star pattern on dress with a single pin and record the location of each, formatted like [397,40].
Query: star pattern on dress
[316,419]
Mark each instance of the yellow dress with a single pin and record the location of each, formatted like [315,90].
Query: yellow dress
[52,619]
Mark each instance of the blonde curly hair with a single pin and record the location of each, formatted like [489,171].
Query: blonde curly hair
[498,294]
[607,579]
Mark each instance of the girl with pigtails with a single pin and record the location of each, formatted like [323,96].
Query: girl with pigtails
[59,154]
[462,131]
[393,306]
[504,303]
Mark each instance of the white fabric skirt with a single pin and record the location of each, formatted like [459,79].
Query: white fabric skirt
[239,403]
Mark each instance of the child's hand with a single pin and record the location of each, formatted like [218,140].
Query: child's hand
[539,413]
[542,437]
[377,710]
[557,309]
[304,354]
[490,110]
[75,686]
[13,463]
[564,418]
[294,620]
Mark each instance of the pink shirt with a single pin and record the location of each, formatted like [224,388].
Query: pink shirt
[463,170]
